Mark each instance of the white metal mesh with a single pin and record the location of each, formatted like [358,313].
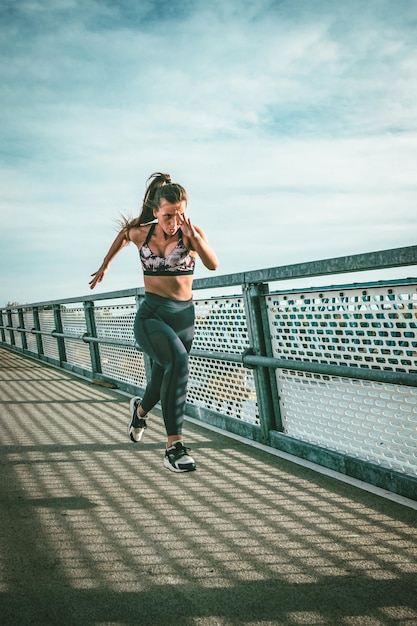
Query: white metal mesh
[119,362]
[222,386]
[73,323]
[372,421]
[115,322]
[17,334]
[47,324]
[221,325]
[376,327]
[29,324]
[78,354]
[124,364]
[373,328]
[227,388]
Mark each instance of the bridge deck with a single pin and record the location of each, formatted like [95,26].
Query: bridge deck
[95,531]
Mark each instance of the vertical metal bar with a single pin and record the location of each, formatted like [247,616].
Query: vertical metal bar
[10,324]
[22,326]
[3,334]
[37,326]
[90,321]
[58,327]
[251,297]
[271,372]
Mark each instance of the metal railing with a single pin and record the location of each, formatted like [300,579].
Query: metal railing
[325,373]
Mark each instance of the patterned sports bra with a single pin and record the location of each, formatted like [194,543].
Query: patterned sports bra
[178,263]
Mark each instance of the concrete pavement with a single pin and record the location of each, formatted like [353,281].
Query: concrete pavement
[95,531]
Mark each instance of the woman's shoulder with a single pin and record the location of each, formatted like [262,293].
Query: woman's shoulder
[137,234]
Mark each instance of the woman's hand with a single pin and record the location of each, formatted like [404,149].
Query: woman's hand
[187,227]
[120,242]
[98,276]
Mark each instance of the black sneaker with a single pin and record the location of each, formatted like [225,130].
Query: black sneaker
[177,458]
[137,424]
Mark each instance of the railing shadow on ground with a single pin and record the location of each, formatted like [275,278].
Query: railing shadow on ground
[96,531]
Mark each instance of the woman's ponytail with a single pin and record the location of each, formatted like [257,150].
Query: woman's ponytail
[157,180]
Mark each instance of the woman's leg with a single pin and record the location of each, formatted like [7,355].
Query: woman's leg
[152,393]
[169,372]
[165,329]
[140,407]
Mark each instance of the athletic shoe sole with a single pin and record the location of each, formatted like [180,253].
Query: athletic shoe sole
[177,470]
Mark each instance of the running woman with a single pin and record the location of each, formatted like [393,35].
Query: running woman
[168,244]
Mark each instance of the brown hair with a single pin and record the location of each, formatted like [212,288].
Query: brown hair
[159,186]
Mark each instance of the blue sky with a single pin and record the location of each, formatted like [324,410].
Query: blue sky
[292,124]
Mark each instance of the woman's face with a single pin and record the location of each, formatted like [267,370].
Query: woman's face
[169,215]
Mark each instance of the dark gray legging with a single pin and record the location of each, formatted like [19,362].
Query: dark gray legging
[164,329]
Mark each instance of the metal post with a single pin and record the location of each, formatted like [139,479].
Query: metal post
[3,334]
[37,326]
[276,423]
[90,321]
[22,326]
[251,295]
[58,327]
[10,325]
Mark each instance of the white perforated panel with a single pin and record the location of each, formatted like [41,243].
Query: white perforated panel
[373,328]
[17,334]
[78,353]
[376,327]
[47,323]
[115,322]
[29,324]
[221,325]
[118,362]
[124,364]
[73,323]
[371,421]
[227,388]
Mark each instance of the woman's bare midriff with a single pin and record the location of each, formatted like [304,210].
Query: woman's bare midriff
[174,287]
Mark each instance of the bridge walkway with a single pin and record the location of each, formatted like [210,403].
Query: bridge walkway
[95,531]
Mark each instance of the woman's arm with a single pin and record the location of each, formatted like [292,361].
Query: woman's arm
[120,242]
